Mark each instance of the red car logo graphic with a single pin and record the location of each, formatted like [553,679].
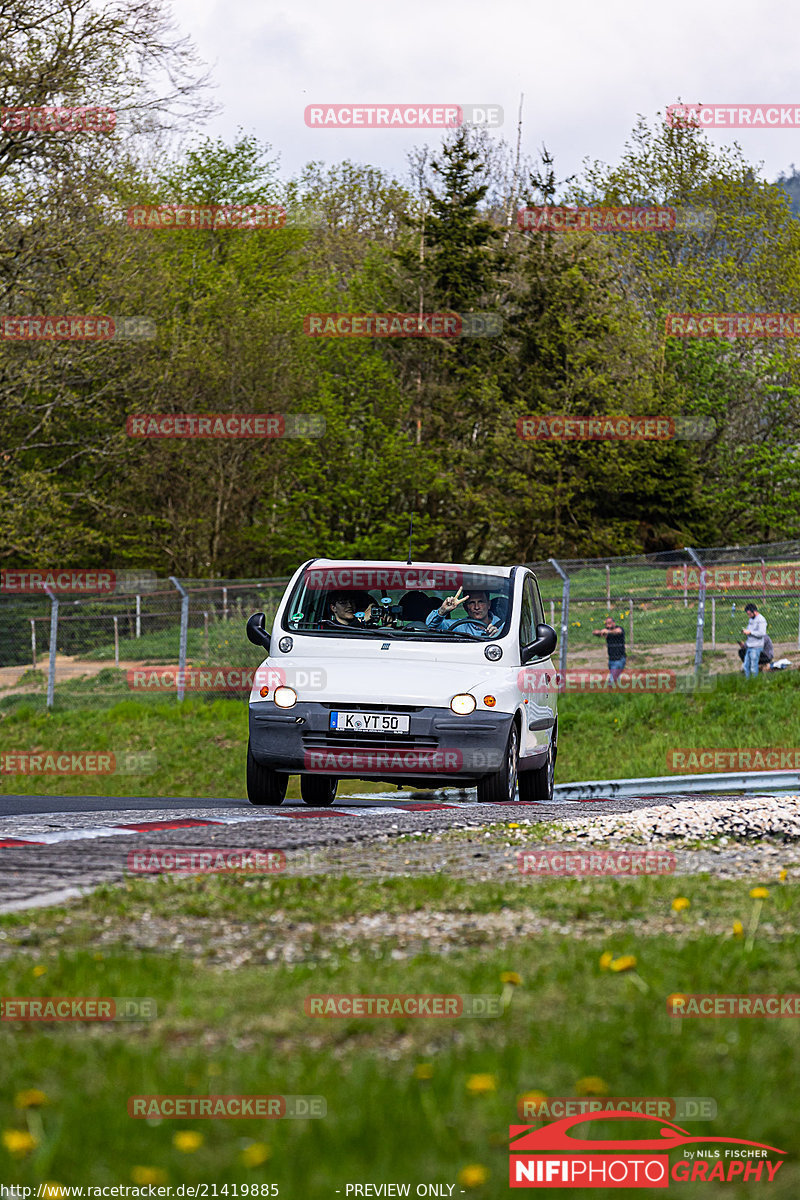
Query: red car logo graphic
[556,1137]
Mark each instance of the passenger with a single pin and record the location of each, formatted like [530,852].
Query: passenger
[479,622]
[340,610]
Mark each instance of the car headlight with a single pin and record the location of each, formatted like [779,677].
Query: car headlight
[493,653]
[463,703]
[285,697]
[285,644]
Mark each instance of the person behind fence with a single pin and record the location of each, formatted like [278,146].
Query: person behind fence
[767,656]
[756,630]
[615,645]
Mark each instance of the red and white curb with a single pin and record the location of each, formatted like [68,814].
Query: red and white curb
[128,829]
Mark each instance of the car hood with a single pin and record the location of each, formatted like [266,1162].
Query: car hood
[371,679]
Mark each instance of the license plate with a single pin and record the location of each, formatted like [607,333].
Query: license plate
[357,722]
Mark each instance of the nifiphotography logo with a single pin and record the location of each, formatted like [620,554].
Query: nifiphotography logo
[553,1157]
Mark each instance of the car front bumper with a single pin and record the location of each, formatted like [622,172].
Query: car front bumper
[440,748]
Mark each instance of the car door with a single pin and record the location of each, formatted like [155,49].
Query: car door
[538,679]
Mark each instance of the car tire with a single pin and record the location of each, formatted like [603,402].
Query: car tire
[536,786]
[318,791]
[501,787]
[264,786]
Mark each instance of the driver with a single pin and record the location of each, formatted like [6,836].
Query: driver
[480,621]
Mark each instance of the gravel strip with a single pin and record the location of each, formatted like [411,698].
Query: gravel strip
[691,820]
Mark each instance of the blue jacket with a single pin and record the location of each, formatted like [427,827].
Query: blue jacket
[441,624]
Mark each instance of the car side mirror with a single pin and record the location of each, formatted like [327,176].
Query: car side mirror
[546,642]
[256,631]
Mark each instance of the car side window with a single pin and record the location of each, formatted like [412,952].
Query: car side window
[537,604]
[527,625]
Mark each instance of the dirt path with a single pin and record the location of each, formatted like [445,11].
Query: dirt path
[68,669]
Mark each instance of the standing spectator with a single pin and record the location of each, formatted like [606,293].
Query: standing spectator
[756,630]
[615,644]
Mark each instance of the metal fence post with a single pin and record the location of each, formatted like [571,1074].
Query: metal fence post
[51,670]
[562,664]
[33,641]
[138,615]
[184,634]
[224,604]
[630,607]
[116,641]
[701,612]
[608,587]
[714,621]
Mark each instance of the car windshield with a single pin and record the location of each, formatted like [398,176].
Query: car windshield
[440,604]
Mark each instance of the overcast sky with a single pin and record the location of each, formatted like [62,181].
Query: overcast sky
[586,69]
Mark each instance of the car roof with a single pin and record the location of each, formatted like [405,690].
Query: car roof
[389,563]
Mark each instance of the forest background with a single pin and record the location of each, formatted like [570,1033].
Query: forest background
[412,425]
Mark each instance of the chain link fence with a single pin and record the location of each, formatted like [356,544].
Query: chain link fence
[146,637]
[680,610]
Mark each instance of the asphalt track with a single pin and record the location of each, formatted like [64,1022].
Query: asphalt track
[54,848]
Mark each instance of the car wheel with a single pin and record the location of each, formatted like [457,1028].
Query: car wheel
[536,786]
[318,790]
[264,786]
[501,787]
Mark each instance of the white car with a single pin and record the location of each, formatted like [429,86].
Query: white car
[417,674]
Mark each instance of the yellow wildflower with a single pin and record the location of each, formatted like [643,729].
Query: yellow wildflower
[738,929]
[146,1175]
[473,1176]
[255,1154]
[759,893]
[680,903]
[478,1085]
[187,1141]
[591,1085]
[624,963]
[32,1098]
[19,1141]
[510,977]
[606,959]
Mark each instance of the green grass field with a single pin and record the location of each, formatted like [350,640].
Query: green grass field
[200,745]
[418,1101]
